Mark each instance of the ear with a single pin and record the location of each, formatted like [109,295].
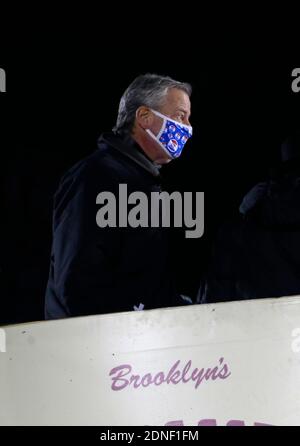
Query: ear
[144,117]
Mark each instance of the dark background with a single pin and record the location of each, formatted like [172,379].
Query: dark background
[60,98]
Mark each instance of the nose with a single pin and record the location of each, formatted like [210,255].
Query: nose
[187,122]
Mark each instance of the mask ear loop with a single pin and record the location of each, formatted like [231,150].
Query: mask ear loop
[158,142]
[156,138]
[162,127]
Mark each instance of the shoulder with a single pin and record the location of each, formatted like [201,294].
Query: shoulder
[101,166]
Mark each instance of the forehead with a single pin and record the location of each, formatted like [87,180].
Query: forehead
[176,98]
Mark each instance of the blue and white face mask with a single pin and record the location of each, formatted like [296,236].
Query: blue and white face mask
[172,136]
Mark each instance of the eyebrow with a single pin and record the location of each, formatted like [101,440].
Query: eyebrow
[184,111]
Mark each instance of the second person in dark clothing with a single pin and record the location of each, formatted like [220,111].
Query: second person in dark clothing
[258,254]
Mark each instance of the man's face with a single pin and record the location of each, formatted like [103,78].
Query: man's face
[176,106]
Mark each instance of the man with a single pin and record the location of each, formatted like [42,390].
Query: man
[258,255]
[96,269]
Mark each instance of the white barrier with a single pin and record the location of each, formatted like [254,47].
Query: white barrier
[231,363]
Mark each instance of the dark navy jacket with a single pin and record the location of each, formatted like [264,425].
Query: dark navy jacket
[97,270]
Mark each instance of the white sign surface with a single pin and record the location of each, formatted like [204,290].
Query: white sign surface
[229,363]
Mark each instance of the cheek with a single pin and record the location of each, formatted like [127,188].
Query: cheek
[156,126]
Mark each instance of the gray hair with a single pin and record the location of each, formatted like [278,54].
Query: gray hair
[147,89]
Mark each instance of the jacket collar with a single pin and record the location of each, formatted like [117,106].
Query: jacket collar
[127,145]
